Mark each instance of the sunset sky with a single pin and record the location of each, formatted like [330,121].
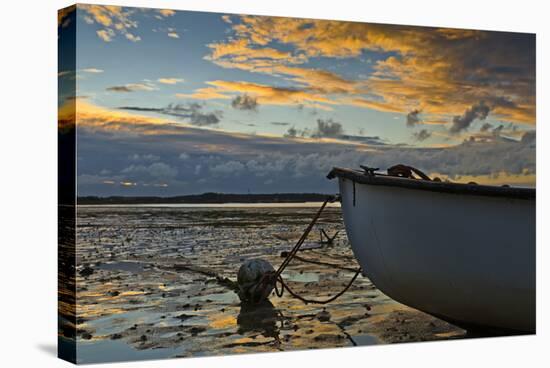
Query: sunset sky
[176,102]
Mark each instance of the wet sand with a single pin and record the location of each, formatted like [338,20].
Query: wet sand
[147,286]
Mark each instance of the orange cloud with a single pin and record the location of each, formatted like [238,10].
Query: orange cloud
[114,19]
[241,50]
[266,95]
[440,71]
[87,115]
[207,93]
[166,12]
[170,80]
[376,105]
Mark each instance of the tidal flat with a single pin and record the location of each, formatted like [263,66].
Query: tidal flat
[148,285]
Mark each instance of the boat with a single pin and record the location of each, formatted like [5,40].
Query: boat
[464,253]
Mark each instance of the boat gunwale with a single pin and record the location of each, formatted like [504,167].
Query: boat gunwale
[434,186]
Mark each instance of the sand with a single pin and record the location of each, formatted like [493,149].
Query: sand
[148,286]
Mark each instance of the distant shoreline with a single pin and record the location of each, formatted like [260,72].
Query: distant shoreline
[205,198]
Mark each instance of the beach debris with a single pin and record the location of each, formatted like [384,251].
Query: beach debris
[86,271]
[323,316]
[253,281]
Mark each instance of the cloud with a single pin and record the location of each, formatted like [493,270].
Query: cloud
[132,37]
[241,49]
[334,131]
[328,128]
[479,111]
[119,89]
[442,72]
[143,157]
[200,119]
[170,80]
[245,102]
[413,118]
[92,70]
[375,105]
[207,93]
[280,123]
[166,12]
[157,170]
[498,130]
[106,35]
[422,135]
[191,112]
[173,35]
[132,87]
[227,168]
[107,136]
[291,132]
[485,127]
[113,20]
[264,94]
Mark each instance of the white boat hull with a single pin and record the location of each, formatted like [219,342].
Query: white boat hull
[467,259]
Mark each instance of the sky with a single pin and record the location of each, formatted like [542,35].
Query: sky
[177,102]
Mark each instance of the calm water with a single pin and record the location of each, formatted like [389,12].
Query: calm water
[147,287]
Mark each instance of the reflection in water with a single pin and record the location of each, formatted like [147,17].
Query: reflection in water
[259,317]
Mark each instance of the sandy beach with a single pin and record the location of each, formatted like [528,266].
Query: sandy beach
[148,285]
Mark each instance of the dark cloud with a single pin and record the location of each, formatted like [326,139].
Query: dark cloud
[328,128]
[485,127]
[119,89]
[133,87]
[479,111]
[200,119]
[279,123]
[143,157]
[147,109]
[497,130]
[117,149]
[289,165]
[245,102]
[157,170]
[422,135]
[228,168]
[413,118]
[193,112]
[291,132]
[331,129]
[370,140]
[501,101]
